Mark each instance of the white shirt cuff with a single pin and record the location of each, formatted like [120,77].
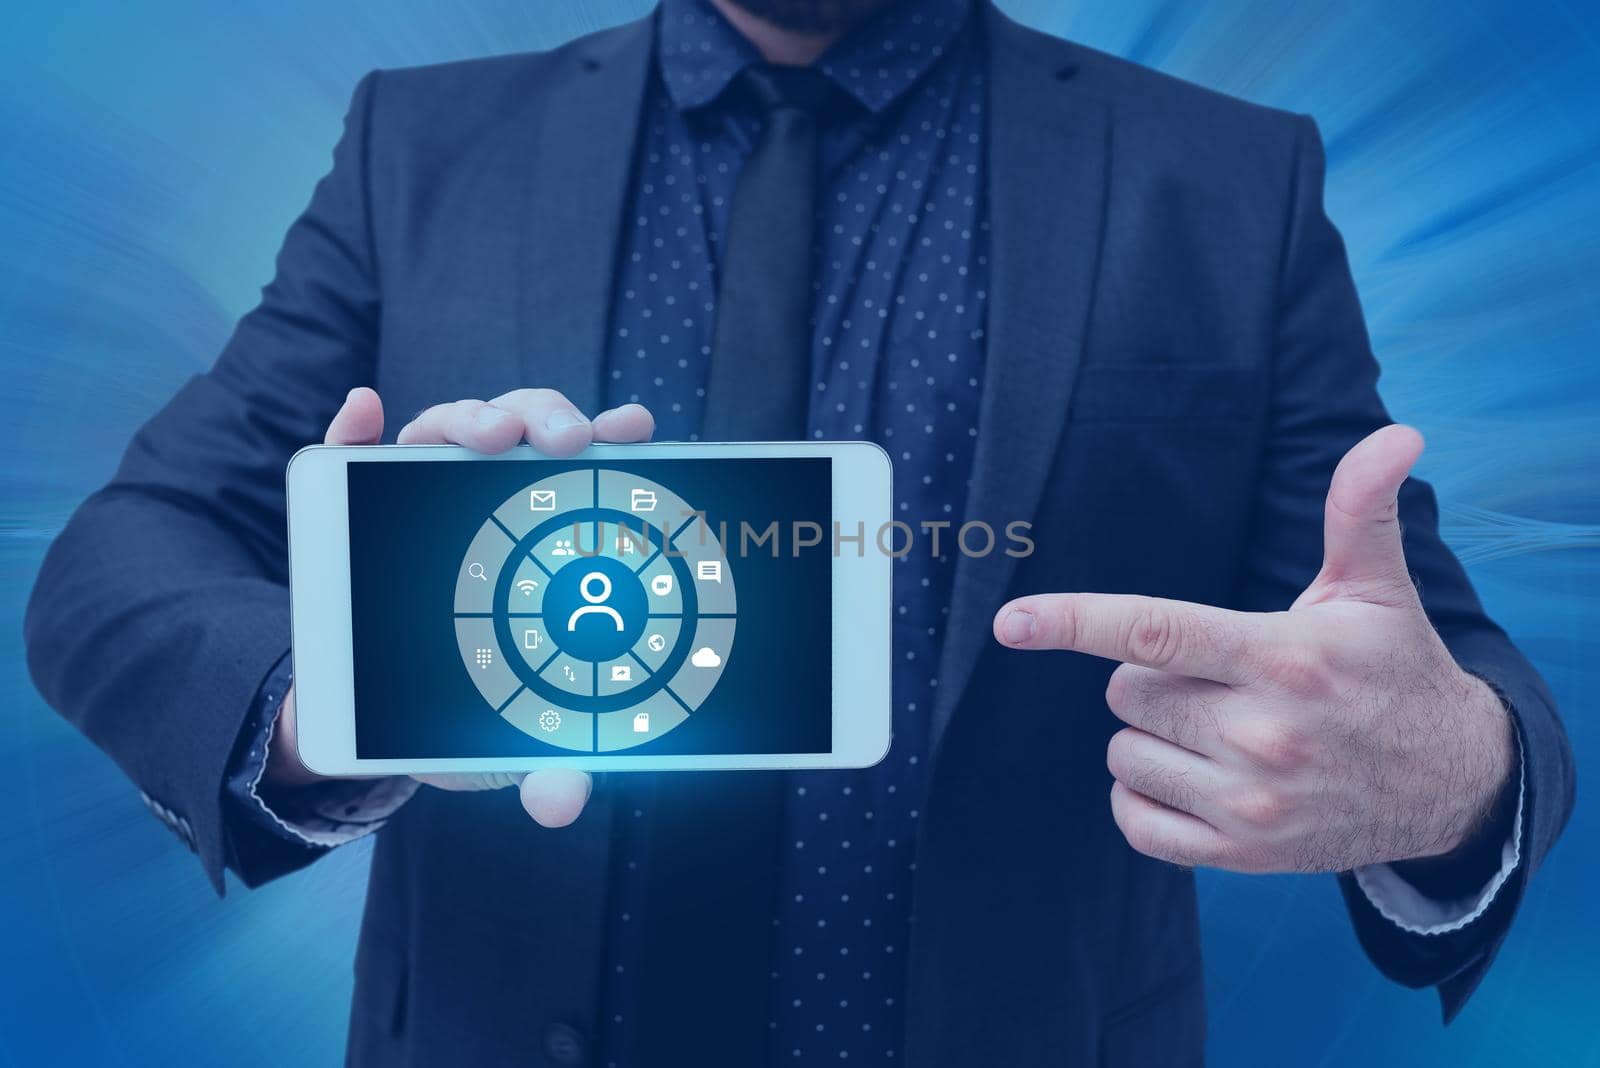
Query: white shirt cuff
[336,812]
[1411,910]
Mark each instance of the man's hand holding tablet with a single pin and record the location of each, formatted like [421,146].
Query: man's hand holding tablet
[543,418]
[528,615]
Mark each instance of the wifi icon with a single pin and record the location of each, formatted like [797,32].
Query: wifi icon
[527,586]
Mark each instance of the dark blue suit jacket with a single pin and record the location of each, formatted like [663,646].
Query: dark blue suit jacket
[1176,360]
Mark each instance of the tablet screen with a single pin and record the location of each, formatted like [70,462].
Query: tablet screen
[540,607]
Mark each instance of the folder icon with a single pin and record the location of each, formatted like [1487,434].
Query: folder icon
[542,500]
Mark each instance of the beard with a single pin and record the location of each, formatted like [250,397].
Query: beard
[812,16]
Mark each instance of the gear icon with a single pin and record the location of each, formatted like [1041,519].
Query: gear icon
[549,720]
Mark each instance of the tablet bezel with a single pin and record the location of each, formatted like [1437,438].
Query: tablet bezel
[319,569]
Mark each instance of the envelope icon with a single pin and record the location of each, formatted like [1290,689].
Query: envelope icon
[542,500]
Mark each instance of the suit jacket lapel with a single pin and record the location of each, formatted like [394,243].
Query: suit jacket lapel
[1047,169]
[577,183]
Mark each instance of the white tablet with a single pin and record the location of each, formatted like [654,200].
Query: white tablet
[637,607]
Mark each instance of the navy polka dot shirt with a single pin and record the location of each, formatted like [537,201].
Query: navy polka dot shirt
[901,266]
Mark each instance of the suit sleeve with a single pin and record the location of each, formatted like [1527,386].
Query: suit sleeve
[1324,400]
[163,605]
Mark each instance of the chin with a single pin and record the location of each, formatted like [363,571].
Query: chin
[811,16]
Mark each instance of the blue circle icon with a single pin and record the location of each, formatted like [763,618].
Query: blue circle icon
[595,608]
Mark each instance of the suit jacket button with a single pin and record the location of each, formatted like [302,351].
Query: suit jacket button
[564,1045]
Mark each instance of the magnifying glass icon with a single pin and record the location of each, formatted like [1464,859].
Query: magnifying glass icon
[475,570]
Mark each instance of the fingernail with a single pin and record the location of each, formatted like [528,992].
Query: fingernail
[1018,626]
[489,415]
[564,419]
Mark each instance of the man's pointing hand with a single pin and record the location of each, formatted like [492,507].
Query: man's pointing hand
[1336,734]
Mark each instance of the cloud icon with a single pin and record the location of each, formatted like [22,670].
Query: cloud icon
[705,656]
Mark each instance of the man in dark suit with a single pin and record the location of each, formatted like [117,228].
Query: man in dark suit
[1057,288]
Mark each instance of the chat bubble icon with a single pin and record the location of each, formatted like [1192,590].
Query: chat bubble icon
[661,585]
[709,571]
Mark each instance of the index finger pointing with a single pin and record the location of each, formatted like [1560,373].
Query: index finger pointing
[1190,639]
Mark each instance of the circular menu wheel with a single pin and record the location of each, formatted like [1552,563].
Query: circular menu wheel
[595,610]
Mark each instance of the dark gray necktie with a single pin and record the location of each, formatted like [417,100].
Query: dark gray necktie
[714,861]
[760,377]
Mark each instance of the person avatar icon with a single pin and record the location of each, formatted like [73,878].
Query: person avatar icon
[595,605]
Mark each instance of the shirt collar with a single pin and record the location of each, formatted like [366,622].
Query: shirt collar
[699,52]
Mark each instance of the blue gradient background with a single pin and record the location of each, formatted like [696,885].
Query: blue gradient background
[151,156]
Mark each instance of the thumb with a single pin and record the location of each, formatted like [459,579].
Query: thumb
[554,797]
[1362,552]
[359,420]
